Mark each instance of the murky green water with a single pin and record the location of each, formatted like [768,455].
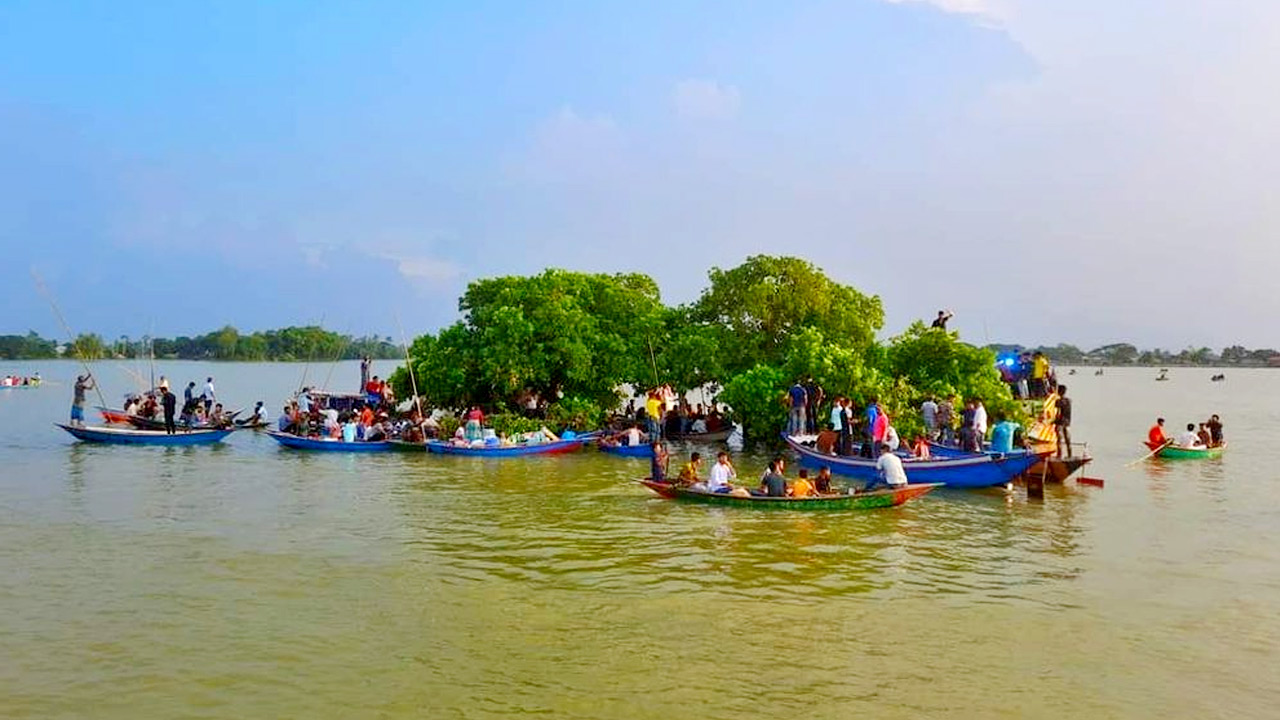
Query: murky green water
[248,581]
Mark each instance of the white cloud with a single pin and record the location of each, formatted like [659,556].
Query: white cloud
[569,146]
[706,99]
[990,10]
[423,268]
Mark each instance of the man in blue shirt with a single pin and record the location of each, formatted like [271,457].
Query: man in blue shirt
[1002,435]
[799,398]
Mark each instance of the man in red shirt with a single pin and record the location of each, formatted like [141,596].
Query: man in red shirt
[1155,436]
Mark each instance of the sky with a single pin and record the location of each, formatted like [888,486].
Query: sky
[1079,171]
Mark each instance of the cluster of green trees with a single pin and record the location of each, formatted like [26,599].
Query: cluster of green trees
[288,344]
[573,339]
[1127,354]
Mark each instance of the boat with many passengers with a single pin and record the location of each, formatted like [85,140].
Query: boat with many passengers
[972,471]
[1052,469]
[325,444]
[886,497]
[130,436]
[557,447]
[1175,452]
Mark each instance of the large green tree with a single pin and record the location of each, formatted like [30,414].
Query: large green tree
[557,335]
[761,304]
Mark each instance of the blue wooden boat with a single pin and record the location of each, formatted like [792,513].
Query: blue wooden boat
[1051,469]
[639,451]
[500,451]
[969,471]
[129,436]
[296,442]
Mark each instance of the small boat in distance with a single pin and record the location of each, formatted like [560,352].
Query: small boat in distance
[129,436]
[882,498]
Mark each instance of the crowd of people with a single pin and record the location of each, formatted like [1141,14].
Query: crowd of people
[666,415]
[1030,376]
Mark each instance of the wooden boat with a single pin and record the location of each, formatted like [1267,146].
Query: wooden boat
[130,436]
[297,442]
[717,436]
[406,446]
[1052,469]
[252,424]
[886,497]
[970,471]
[640,451]
[1173,452]
[115,417]
[506,451]
[144,423]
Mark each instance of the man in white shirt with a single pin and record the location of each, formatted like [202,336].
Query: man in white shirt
[890,467]
[631,437]
[721,473]
[1189,439]
[891,438]
[209,395]
[980,421]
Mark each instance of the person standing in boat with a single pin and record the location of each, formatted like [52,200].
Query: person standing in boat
[1215,430]
[364,372]
[83,384]
[1062,423]
[929,415]
[658,462]
[796,417]
[209,396]
[170,403]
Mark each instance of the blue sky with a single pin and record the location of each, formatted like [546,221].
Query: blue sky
[265,164]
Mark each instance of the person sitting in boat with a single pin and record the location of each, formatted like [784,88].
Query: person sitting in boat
[1203,434]
[1215,430]
[349,429]
[920,449]
[658,462]
[1190,439]
[631,437]
[890,468]
[1156,436]
[332,428]
[377,431]
[431,426]
[698,426]
[131,405]
[689,471]
[286,423]
[720,478]
[822,483]
[801,487]
[218,418]
[149,407]
[259,415]
[774,483]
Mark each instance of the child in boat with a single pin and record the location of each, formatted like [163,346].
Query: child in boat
[801,487]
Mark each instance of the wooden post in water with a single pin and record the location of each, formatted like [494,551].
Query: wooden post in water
[1035,483]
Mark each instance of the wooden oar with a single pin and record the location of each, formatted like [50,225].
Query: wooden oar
[1166,444]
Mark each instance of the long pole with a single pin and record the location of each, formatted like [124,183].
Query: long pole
[40,286]
[408,362]
[346,344]
[311,351]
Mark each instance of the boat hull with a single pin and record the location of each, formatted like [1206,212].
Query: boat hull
[859,501]
[638,451]
[1052,469]
[971,471]
[1173,452]
[121,436]
[294,442]
[707,437]
[551,448]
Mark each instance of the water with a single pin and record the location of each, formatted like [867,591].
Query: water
[247,581]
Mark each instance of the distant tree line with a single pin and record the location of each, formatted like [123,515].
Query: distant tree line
[1126,354]
[287,344]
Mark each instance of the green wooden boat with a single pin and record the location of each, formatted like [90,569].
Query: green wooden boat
[886,497]
[1173,452]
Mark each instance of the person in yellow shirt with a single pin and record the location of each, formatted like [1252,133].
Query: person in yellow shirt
[801,487]
[689,471]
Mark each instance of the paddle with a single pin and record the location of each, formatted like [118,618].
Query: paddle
[1166,444]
